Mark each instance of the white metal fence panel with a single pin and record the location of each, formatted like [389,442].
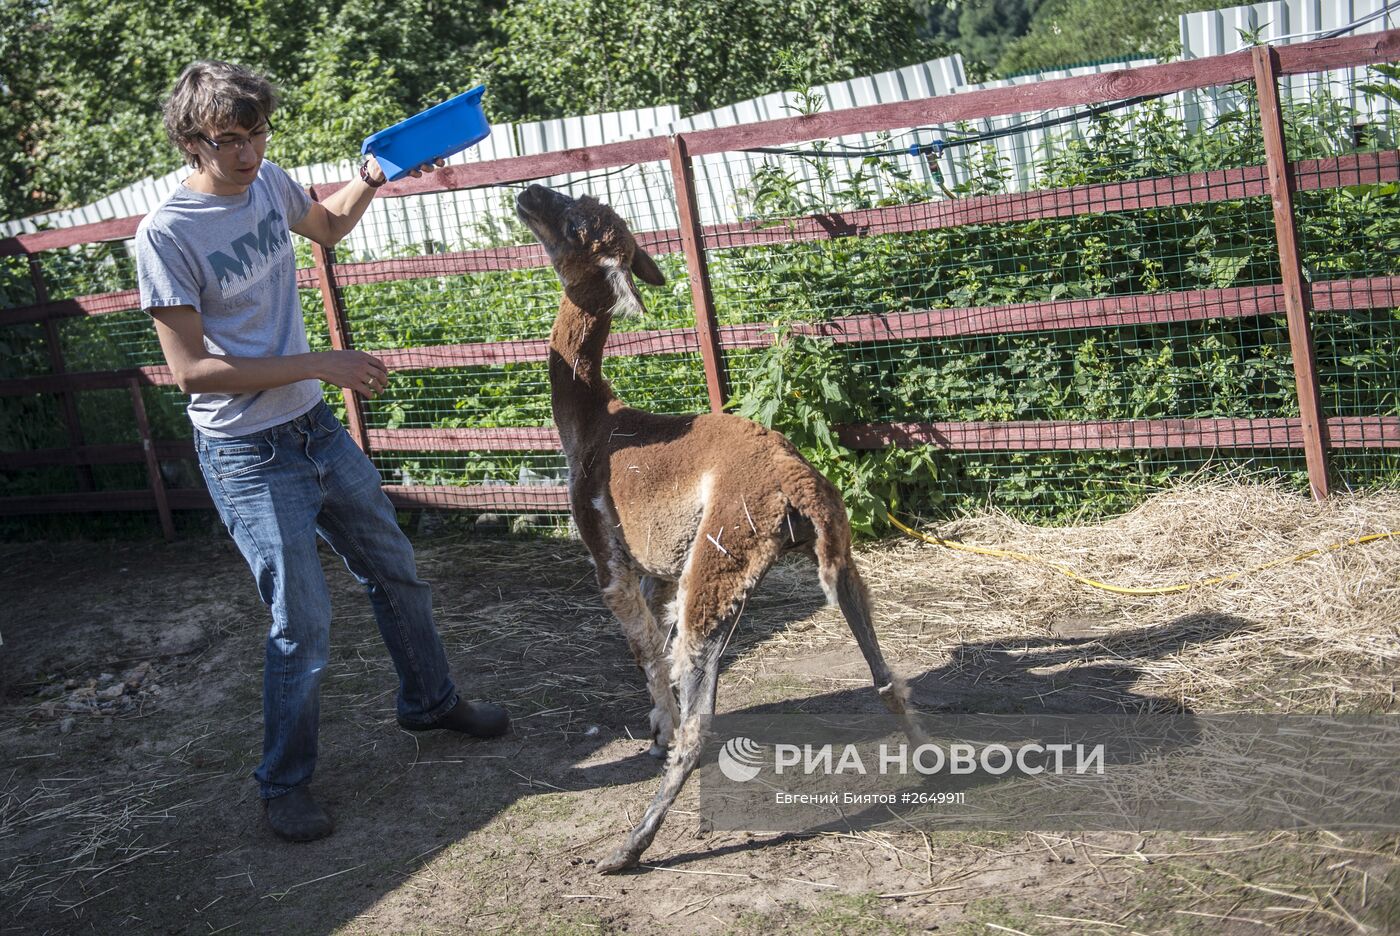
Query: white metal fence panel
[1283,22]
[1018,153]
[646,191]
[548,136]
[721,180]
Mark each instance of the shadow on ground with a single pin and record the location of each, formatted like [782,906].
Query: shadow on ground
[145,820]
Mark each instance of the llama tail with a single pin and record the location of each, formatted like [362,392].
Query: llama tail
[854,600]
[844,588]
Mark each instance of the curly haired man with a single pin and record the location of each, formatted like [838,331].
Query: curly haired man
[217,274]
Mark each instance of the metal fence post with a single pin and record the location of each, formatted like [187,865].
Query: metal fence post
[66,400]
[693,243]
[1295,297]
[339,327]
[143,426]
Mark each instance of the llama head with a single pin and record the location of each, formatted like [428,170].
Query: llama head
[585,240]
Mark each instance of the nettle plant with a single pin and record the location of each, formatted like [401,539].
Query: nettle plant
[806,388]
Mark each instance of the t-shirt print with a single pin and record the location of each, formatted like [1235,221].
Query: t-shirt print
[250,257]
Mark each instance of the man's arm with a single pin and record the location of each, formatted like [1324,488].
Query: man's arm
[329,221]
[181,332]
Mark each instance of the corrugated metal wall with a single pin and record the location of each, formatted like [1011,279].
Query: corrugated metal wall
[1282,22]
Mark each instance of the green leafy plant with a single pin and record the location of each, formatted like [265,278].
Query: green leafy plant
[805,388]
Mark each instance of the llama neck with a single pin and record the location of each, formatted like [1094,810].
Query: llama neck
[578,390]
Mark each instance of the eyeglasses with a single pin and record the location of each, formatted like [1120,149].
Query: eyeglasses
[257,138]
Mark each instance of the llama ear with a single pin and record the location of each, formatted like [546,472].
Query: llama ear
[646,270]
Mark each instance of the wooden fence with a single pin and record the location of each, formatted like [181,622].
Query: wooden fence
[1279,179]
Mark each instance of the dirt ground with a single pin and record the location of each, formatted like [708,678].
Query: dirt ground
[130,723]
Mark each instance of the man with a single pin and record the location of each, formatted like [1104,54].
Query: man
[217,274]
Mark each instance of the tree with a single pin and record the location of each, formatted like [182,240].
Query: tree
[372,64]
[81,81]
[1071,32]
[92,123]
[979,30]
[19,92]
[561,57]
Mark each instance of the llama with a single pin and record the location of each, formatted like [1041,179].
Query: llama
[682,514]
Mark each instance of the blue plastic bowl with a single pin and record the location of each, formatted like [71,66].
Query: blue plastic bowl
[435,133]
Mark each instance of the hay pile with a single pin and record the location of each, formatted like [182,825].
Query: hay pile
[1321,634]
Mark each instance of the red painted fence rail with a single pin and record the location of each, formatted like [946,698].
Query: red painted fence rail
[1156,192]
[1277,180]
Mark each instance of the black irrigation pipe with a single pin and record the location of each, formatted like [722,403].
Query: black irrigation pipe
[936,147]
[918,149]
[524,184]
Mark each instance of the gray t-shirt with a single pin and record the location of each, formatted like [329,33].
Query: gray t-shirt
[230,257]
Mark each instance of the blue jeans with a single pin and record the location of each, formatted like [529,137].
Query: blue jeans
[277,490]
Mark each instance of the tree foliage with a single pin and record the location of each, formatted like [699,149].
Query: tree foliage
[1071,32]
[561,57]
[83,80]
[978,29]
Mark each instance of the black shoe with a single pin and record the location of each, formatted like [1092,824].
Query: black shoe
[296,817]
[478,719]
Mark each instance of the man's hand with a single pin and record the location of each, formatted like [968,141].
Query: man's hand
[376,174]
[181,332]
[428,167]
[354,370]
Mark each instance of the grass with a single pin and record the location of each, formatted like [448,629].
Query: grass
[837,914]
[543,807]
[997,915]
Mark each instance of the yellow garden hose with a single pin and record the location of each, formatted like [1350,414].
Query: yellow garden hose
[1127,590]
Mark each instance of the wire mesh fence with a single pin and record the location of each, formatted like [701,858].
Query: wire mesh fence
[1344,122]
[1051,311]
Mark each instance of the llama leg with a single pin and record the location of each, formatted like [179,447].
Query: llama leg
[854,600]
[624,597]
[660,597]
[713,590]
[697,667]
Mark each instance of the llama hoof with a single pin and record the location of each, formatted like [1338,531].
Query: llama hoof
[619,860]
[657,751]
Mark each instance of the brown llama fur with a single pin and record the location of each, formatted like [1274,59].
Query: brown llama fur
[683,515]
